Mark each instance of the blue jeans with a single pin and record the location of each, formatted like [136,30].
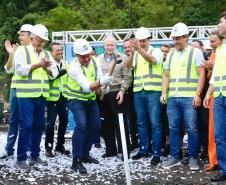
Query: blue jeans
[147,103]
[180,110]
[87,117]
[13,122]
[220,131]
[31,116]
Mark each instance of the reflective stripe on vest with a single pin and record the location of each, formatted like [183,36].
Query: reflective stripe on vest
[183,81]
[75,91]
[220,71]
[54,86]
[150,81]
[32,86]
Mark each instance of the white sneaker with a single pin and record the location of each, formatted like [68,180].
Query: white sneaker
[170,162]
[193,164]
[22,165]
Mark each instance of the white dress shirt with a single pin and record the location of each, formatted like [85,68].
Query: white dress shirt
[76,74]
[61,65]
[22,69]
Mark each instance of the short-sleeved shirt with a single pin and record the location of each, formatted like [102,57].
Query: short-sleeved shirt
[157,53]
[198,58]
[198,61]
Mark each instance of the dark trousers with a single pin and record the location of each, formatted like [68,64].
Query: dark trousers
[165,124]
[131,116]
[110,127]
[203,120]
[87,117]
[55,108]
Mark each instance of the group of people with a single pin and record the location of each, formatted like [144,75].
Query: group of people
[163,93]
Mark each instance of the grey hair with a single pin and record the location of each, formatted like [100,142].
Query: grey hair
[111,38]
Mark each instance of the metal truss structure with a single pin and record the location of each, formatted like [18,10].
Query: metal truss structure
[157,34]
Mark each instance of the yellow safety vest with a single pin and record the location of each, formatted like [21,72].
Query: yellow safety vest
[74,90]
[54,87]
[36,84]
[146,75]
[220,71]
[183,73]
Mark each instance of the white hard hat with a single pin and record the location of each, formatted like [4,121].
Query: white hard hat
[40,31]
[179,29]
[142,33]
[82,47]
[26,27]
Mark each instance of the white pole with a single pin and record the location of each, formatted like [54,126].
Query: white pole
[124,148]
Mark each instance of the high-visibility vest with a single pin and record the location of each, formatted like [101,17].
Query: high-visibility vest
[36,84]
[54,87]
[183,73]
[74,90]
[220,71]
[147,76]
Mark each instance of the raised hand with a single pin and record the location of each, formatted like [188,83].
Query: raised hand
[9,47]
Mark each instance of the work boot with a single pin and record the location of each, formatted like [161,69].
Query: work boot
[140,155]
[62,150]
[49,152]
[6,155]
[78,166]
[218,178]
[155,160]
[97,145]
[22,165]
[105,155]
[90,159]
[211,168]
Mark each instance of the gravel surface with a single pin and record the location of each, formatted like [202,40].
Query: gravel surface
[109,171]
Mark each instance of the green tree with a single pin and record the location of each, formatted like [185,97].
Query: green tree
[62,18]
[203,12]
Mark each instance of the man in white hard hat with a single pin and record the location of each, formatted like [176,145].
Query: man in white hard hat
[147,63]
[85,77]
[183,81]
[24,37]
[217,88]
[33,67]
